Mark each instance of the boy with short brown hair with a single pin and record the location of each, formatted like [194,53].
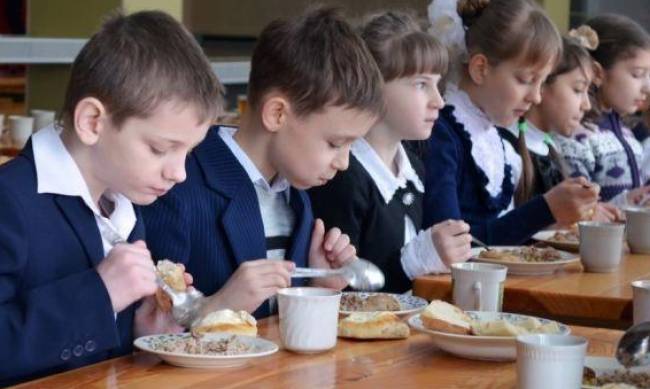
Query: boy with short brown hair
[140,96]
[314,88]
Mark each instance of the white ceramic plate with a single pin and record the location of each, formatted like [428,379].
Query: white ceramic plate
[527,268]
[547,235]
[258,348]
[408,304]
[489,348]
[607,365]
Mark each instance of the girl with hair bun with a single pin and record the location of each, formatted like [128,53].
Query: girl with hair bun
[502,51]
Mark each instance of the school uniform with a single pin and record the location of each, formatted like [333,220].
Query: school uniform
[471,174]
[606,153]
[55,311]
[382,214]
[226,213]
[548,172]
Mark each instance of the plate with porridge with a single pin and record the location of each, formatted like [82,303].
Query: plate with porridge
[526,260]
[568,240]
[399,304]
[607,373]
[212,350]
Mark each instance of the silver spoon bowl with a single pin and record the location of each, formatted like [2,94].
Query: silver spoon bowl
[633,348]
[360,274]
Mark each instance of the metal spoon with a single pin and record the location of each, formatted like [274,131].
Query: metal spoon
[186,305]
[633,348]
[479,243]
[360,274]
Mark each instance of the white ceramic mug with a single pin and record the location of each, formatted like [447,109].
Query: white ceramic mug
[478,286]
[641,300]
[42,118]
[550,361]
[638,229]
[601,246]
[308,318]
[20,129]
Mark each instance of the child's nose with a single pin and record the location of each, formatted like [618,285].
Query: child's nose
[175,172]
[342,159]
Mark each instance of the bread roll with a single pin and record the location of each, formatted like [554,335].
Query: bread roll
[226,320]
[373,325]
[173,275]
[444,317]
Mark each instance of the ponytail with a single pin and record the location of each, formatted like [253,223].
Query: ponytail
[524,190]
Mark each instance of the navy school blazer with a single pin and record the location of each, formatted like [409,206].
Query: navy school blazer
[55,312]
[212,221]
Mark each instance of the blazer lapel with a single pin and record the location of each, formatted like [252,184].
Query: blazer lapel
[83,223]
[301,238]
[242,220]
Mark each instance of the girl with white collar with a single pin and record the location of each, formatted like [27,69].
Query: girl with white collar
[504,50]
[377,201]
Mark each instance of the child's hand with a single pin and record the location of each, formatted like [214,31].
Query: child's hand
[151,319]
[252,283]
[330,251]
[572,200]
[639,196]
[128,273]
[452,241]
[605,212]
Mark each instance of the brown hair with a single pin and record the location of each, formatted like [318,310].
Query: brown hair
[620,37]
[134,63]
[508,29]
[574,55]
[316,60]
[401,47]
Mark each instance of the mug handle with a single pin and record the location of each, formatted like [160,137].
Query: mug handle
[476,288]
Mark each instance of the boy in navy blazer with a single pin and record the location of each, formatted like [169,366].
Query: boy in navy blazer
[141,94]
[313,89]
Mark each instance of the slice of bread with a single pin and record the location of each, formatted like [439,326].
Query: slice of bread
[444,317]
[226,320]
[373,325]
[173,275]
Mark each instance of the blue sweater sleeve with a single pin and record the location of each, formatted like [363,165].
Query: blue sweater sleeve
[441,201]
[442,171]
[40,325]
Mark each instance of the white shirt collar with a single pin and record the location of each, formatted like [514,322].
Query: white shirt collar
[280,184]
[384,179]
[489,151]
[58,173]
[537,140]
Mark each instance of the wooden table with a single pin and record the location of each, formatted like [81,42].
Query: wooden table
[411,363]
[571,295]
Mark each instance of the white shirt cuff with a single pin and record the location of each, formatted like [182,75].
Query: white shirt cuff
[419,256]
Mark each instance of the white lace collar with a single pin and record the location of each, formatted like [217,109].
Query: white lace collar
[383,177]
[489,152]
[537,140]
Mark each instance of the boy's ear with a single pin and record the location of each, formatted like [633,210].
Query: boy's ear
[599,74]
[274,112]
[478,68]
[89,120]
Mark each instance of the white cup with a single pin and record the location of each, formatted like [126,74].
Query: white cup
[42,118]
[641,300]
[550,361]
[601,246]
[308,318]
[20,129]
[638,229]
[478,286]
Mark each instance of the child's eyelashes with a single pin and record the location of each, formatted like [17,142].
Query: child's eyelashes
[334,145]
[156,151]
